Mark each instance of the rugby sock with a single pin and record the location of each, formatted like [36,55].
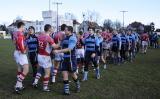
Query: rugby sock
[38,76]
[77,83]
[66,86]
[85,75]
[20,80]
[105,66]
[45,82]
[55,71]
[82,69]
[18,73]
[97,71]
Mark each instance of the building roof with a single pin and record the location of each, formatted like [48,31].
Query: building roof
[15,23]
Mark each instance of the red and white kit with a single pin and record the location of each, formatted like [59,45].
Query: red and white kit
[19,53]
[145,39]
[45,42]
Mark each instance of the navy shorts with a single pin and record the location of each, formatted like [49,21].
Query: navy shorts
[33,58]
[115,48]
[124,47]
[69,65]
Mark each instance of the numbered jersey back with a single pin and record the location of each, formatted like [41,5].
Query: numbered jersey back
[44,44]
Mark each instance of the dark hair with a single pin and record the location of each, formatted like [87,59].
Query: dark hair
[80,32]
[19,24]
[47,27]
[63,26]
[31,27]
[70,28]
[103,29]
[97,31]
[91,28]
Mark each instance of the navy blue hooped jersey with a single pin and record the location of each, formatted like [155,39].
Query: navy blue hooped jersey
[32,43]
[124,39]
[69,42]
[131,39]
[91,43]
[116,40]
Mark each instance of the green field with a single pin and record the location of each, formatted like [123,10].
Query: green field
[138,80]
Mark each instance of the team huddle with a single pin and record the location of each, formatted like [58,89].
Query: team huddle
[72,53]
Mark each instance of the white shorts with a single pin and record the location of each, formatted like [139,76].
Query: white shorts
[79,53]
[144,43]
[58,57]
[44,61]
[107,45]
[20,58]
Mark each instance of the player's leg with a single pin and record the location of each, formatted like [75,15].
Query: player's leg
[46,79]
[143,46]
[34,62]
[82,59]
[78,57]
[119,57]
[66,83]
[96,66]
[55,70]
[23,61]
[146,47]
[131,54]
[40,70]
[19,67]
[39,73]
[56,62]
[114,57]
[21,77]
[103,59]
[87,60]
[122,56]
[76,80]
[74,75]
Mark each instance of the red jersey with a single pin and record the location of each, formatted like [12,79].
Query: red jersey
[45,43]
[19,41]
[144,37]
[79,43]
[106,36]
[58,37]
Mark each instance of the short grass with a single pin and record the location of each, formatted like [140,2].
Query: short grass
[138,80]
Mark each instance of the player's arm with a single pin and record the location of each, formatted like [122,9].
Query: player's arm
[127,38]
[71,45]
[119,42]
[55,46]
[97,44]
[134,41]
[20,44]
[52,43]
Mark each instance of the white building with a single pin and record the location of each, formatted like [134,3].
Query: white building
[49,17]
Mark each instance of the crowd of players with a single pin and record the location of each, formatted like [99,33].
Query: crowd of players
[71,53]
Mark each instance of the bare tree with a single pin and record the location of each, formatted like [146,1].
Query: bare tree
[108,24]
[117,24]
